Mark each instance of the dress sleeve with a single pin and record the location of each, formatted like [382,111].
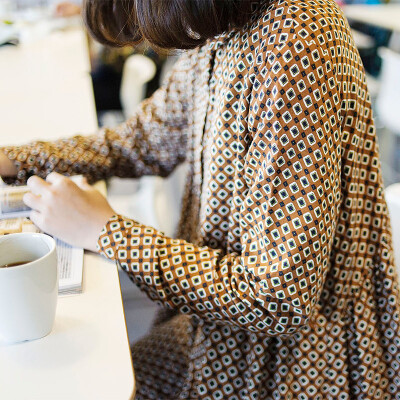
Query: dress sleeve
[288,213]
[152,142]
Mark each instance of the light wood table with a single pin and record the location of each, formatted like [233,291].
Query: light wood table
[45,93]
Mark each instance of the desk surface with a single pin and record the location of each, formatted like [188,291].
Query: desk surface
[87,355]
[385,16]
[46,93]
[46,90]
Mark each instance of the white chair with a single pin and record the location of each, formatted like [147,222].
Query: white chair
[392,195]
[388,100]
[387,107]
[138,70]
[362,40]
[394,41]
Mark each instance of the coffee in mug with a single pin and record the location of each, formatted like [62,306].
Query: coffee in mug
[15,264]
[28,286]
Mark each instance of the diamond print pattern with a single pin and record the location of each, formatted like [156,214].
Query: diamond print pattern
[282,284]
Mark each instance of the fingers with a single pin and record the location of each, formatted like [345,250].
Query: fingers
[47,197]
[55,178]
[33,201]
[83,183]
[42,191]
[60,181]
[37,185]
[45,193]
[39,191]
[38,219]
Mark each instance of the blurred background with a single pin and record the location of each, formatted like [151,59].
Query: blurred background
[56,82]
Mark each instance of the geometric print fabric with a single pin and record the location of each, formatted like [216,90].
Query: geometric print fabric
[281,284]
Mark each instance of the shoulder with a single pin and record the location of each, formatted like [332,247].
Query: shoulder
[299,27]
[308,19]
[305,35]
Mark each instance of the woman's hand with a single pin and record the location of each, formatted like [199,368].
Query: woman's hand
[7,167]
[72,212]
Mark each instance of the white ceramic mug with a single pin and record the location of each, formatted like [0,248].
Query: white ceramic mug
[28,292]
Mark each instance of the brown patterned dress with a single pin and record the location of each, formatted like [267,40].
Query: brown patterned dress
[282,284]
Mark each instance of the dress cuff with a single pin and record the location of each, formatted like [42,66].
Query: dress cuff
[113,235]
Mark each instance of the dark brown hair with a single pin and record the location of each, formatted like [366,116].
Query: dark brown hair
[169,24]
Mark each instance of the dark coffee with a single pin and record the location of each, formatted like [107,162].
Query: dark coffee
[14,264]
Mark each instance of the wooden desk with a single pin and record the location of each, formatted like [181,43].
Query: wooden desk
[46,93]
[385,16]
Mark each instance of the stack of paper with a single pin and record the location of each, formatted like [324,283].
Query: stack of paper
[70,268]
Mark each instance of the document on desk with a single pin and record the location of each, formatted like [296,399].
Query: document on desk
[70,268]
[13,219]
[11,203]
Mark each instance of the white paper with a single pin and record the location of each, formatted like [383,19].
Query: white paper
[11,203]
[70,268]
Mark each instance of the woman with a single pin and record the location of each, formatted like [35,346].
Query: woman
[282,283]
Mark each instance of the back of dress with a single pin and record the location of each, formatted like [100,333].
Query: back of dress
[362,284]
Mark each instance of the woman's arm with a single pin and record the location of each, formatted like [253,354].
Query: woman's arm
[288,216]
[153,142]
